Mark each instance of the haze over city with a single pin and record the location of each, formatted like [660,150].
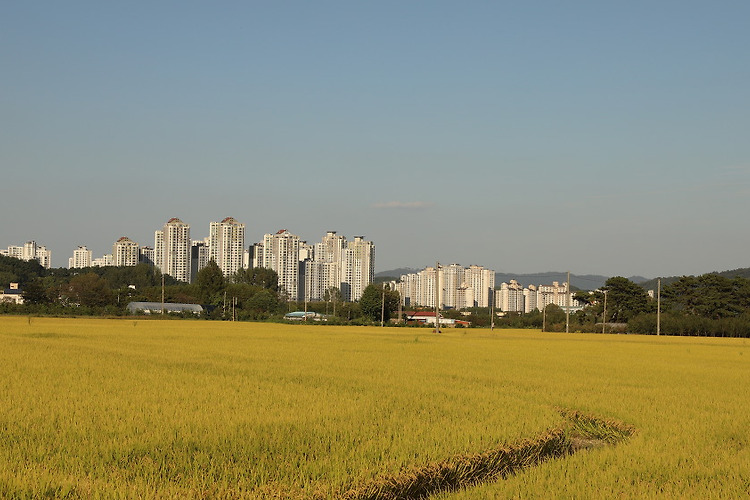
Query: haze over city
[541,136]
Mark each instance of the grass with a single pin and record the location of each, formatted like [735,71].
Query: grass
[191,409]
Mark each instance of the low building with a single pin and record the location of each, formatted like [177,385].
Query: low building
[304,316]
[158,307]
[428,318]
[12,294]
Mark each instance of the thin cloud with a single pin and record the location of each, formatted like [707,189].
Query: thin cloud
[404,205]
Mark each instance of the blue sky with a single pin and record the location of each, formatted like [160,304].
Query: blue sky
[593,136]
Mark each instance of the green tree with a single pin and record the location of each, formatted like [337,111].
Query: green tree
[333,295]
[263,304]
[210,281]
[34,292]
[553,317]
[88,290]
[710,296]
[22,271]
[258,276]
[378,301]
[625,300]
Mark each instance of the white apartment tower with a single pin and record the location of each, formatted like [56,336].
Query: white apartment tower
[459,287]
[199,255]
[451,284]
[226,245]
[326,272]
[125,252]
[529,299]
[81,258]
[172,249]
[147,255]
[481,281]
[30,251]
[556,293]
[511,297]
[358,269]
[280,252]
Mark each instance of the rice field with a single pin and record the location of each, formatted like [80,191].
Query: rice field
[97,408]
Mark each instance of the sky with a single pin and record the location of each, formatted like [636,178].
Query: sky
[594,137]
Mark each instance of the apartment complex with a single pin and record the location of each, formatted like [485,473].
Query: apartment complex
[280,252]
[82,257]
[30,251]
[172,249]
[126,252]
[452,287]
[358,268]
[306,272]
[226,245]
[513,297]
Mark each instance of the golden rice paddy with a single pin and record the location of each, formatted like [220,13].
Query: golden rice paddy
[196,409]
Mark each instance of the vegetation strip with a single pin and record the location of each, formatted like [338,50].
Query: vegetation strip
[581,432]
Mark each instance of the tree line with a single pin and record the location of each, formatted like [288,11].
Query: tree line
[249,294]
[707,305]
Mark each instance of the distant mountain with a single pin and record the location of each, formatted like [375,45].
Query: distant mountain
[394,274]
[579,282]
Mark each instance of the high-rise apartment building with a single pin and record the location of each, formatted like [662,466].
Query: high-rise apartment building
[125,252]
[227,245]
[30,251]
[556,293]
[103,261]
[172,250]
[482,281]
[147,255]
[324,271]
[457,287]
[529,299]
[280,252]
[514,297]
[199,256]
[452,285]
[81,258]
[510,297]
[358,268]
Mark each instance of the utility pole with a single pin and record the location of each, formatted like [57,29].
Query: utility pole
[400,309]
[162,294]
[567,306]
[437,297]
[658,307]
[382,308]
[492,309]
[604,314]
[544,318]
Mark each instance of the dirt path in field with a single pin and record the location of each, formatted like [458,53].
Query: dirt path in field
[581,432]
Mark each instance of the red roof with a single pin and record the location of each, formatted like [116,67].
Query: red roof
[421,314]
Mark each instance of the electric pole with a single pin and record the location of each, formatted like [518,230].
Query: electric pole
[658,307]
[567,306]
[437,297]
[382,308]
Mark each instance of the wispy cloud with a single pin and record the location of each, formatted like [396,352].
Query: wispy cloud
[404,205]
